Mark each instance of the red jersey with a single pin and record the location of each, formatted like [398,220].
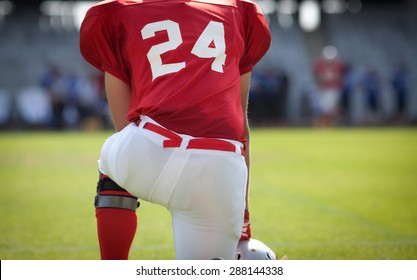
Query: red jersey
[329,73]
[182,58]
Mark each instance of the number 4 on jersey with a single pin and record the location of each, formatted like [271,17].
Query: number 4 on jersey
[213,33]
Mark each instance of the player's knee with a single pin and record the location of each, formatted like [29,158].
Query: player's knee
[111,195]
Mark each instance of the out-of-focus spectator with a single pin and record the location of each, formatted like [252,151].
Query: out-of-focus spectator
[78,101]
[401,88]
[309,106]
[283,88]
[33,107]
[276,86]
[256,96]
[52,80]
[50,74]
[71,100]
[328,72]
[371,83]
[268,96]
[92,102]
[5,108]
[349,86]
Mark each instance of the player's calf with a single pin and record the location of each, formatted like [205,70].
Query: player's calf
[116,219]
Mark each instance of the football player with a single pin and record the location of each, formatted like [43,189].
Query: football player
[177,76]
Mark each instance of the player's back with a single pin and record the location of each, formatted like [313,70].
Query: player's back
[183,59]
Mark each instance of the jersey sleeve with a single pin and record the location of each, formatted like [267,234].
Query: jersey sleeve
[257,37]
[100,46]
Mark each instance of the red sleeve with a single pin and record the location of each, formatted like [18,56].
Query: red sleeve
[100,46]
[257,37]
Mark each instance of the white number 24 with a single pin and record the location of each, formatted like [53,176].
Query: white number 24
[214,32]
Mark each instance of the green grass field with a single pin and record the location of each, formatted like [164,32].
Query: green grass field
[315,194]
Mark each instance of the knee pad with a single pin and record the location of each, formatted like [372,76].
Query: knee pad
[111,195]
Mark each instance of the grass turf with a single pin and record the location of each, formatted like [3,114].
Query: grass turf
[315,194]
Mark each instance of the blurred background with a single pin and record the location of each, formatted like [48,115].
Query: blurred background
[335,193]
[331,63]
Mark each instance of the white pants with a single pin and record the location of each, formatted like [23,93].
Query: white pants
[328,101]
[203,189]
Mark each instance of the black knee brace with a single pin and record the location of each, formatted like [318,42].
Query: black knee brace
[122,201]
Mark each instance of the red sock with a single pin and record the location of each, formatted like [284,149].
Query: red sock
[116,229]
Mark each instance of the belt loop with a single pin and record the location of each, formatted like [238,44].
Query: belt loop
[184,142]
[141,122]
[238,149]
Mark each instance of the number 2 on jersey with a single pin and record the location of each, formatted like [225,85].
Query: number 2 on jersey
[213,33]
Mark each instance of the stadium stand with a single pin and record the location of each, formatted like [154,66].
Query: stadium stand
[380,35]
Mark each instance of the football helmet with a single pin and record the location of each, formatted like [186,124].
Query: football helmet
[253,249]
